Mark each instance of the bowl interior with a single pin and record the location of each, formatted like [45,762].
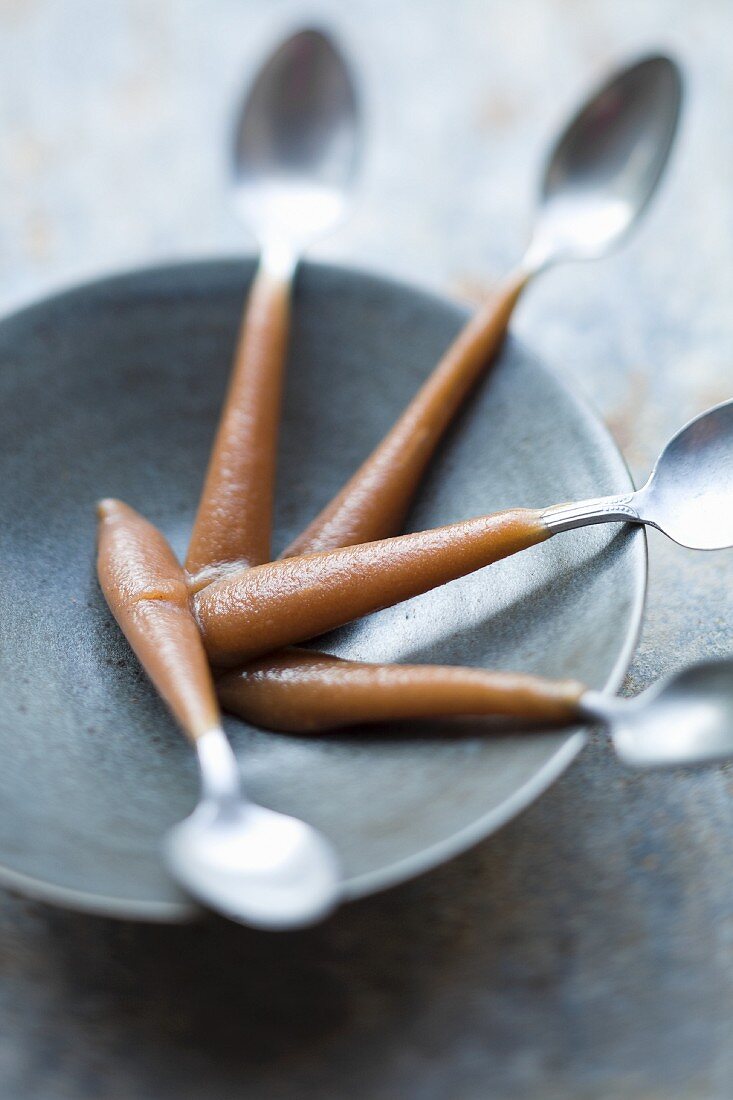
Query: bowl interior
[114,389]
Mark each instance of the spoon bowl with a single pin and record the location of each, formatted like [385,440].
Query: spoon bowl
[297,143]
[605,166]
[686,719]
[253,865]
[689,495]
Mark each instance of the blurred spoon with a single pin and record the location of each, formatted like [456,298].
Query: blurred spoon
[686,719]
[250,863]
[606,164]
[296,149]
[600,176]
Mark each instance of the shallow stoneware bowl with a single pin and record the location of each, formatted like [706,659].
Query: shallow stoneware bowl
[114,389]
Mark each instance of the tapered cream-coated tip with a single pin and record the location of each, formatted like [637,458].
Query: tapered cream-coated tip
[111,508]
[106,507]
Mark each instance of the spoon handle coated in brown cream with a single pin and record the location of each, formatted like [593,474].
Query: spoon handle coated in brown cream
[234,519]
[259,610]
[146,590]
[301,691]
[374,502]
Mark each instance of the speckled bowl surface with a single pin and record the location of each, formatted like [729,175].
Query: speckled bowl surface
[114,389]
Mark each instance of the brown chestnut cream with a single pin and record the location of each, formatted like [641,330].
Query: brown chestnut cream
[146,590]
[270,606]
[302,691]
[234,519]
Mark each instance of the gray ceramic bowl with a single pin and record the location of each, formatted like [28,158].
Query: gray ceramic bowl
[114,389]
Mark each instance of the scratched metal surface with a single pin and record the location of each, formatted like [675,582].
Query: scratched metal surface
[586,951]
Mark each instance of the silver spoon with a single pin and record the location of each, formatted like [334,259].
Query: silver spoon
[273,871]
[254,865]
[685,719]
[605,166]
[600,176]
[689,495]
[296,150]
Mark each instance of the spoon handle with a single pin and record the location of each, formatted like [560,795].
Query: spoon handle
[301,691]
[373,503]
[565,517]
[145,588]
[234,519]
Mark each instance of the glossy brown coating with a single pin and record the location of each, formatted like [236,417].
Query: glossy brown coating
[301,691]
[263,609]
[146,590]
[234,519]
[374,502]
